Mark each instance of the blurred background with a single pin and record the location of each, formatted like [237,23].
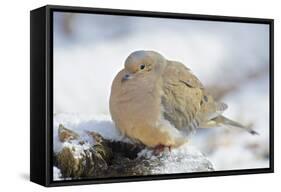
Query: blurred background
[231,60]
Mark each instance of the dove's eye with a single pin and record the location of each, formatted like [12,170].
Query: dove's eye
[142,66]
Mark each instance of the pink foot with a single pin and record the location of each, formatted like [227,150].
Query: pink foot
[170,148]
[160,148]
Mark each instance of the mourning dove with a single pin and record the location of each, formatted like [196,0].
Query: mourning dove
[159,102]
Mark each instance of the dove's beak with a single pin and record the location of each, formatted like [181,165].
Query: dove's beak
[126,77]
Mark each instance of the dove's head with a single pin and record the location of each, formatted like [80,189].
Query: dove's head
[142,63]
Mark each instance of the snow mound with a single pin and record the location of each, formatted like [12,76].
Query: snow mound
[73,153]
[184,159]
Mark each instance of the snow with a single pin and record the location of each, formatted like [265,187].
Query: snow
[184,159]
[56,173]
[81,124]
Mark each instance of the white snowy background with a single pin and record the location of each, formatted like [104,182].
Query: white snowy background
[90,49]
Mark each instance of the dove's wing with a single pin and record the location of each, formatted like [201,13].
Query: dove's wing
[185,102]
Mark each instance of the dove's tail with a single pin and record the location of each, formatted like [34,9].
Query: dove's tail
[222,120]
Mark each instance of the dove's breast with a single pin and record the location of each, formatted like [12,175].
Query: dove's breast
[135,108]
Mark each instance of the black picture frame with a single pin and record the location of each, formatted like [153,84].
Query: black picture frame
[41,94]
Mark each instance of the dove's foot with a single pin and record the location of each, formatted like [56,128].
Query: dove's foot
[160,148]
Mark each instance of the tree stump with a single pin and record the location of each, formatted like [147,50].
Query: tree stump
[108,158]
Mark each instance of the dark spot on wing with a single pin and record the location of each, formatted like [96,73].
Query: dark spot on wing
[205,98]
[186,83]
